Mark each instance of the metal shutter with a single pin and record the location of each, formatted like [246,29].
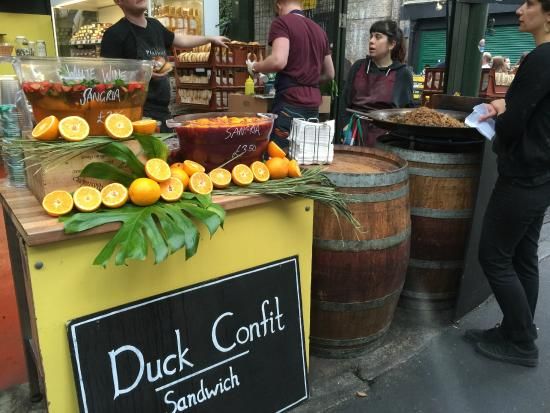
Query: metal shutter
[509,41]
[432,48]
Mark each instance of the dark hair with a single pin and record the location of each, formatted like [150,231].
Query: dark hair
[391,29]
[545,4]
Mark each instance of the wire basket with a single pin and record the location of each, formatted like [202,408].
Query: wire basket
[311,141]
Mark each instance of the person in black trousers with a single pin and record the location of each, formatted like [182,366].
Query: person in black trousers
[514,216]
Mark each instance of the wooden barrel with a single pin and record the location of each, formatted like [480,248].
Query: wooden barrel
[357,277]
[443,188]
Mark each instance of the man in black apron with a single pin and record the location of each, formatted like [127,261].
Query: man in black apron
[301,56]
[138,37]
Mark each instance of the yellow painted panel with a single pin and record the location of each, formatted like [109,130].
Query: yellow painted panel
[33,26]
[68,286]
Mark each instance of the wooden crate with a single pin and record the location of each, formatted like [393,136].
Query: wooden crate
[66,177]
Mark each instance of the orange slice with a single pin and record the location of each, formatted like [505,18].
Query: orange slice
[145,126]
[171,190]
[87,199]
[47,129]
[118,126]
[294,169]
[278,168]
[260,171]
[180,174]
[114,195]
[221,178]
[144,191]
[158,170]
[74,128]
[242,175]
[275,151]
[191,167]
[58,203]
[200,183]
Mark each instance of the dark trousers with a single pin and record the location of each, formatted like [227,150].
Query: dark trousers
[508,253]
[282,125]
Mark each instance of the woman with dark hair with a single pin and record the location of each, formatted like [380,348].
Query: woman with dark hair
[515,213]
[379,81]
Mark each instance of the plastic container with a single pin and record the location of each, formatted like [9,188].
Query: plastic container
[22,46]
[86,87]
[249,86]
[229,143]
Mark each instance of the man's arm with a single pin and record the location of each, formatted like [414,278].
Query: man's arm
[278,58]
[327,70]
[185,41]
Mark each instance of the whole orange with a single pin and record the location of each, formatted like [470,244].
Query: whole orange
[278,168]
[144,191]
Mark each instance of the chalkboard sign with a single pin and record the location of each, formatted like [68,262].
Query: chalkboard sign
[234,344]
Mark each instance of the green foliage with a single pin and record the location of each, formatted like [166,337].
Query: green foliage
[164,227]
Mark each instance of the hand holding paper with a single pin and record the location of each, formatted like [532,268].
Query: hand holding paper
[485,127]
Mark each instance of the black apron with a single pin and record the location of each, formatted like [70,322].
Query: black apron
[158,94]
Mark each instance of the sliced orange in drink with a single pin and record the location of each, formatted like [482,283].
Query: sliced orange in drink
[278,168]
[47,129]
[144,191]
[180,174]
[118,126]
[294,169]
[274,150]
[221,178]
[242,175]
[191,167]
[145,126]
[114,195]
[74,128]
[171,190]
[87,199]
[200,183]
[58,203]
[260,171]
[158,170]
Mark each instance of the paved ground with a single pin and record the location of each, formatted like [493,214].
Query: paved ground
[421,367]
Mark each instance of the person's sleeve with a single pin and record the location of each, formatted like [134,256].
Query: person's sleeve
[168,37]
[278,29]
[404,95]
[111,46]
[530,86]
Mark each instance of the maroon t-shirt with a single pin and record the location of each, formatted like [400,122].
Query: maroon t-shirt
[308,48]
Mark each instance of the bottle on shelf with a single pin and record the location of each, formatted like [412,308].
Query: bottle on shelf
[192,22]
[186,22]
[173,18]
[249,86]
[41,48]
[179,20]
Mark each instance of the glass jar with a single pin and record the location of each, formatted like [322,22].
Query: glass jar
[32,47]
[40,48]
[22,46]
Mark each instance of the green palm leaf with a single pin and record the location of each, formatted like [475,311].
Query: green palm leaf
[165,228]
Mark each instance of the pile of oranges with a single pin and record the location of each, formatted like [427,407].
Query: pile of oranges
[169,182]
[75,128]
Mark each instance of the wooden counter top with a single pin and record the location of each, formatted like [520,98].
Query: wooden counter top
[37,228]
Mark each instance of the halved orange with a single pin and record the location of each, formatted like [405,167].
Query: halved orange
[294,169]
[87,199]
[144,191]
[191,167]
[145,126]
[278,168]
[118,126]
[58,203]
[158,170]
[180,174]
[242,175]
[221,178]
[275,151]
[200,183]
[171,190]
[74,128]
[260,171]
[47,129]
[114,195]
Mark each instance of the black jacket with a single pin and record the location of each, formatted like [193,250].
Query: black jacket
[522,141]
